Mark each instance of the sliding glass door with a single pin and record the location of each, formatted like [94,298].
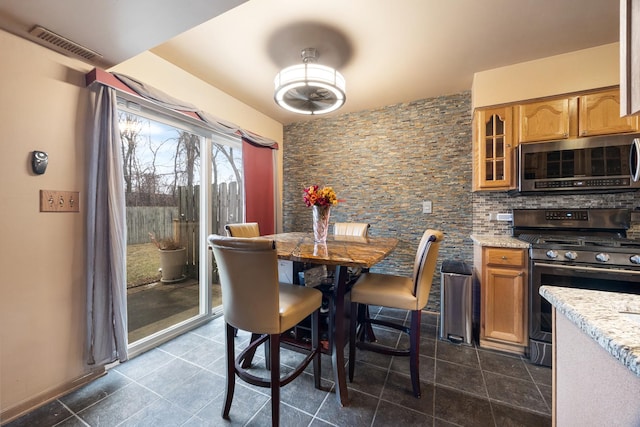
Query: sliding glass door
[181,183]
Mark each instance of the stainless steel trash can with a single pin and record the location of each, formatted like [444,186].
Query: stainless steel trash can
[456,302]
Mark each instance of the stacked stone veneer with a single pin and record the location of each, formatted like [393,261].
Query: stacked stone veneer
[384,163]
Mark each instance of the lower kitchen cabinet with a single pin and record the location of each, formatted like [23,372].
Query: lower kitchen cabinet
[503,297]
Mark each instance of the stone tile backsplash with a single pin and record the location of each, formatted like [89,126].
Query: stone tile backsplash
[486,203]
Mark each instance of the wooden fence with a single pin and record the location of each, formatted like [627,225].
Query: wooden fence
[141,220]
[182,223]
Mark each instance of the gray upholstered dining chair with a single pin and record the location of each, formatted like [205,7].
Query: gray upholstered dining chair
[351,229]
[254,301]
[243,229]
[400,292]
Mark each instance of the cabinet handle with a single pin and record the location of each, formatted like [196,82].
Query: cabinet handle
[520,274]
[504,257]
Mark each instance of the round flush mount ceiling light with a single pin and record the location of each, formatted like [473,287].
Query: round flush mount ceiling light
[309,88]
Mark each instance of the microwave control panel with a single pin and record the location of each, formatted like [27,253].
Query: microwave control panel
[584,183]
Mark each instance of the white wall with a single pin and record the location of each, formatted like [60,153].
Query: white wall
[43,106]
[571,72]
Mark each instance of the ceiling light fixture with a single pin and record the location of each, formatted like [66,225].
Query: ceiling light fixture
[309,88]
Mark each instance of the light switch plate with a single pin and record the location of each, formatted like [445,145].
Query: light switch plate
[427,207]
[59,201]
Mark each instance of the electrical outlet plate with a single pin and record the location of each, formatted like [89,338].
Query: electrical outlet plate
[427,207]
[493,216]
[59,201]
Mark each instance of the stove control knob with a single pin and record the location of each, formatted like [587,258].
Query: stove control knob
[602,257]
[571,255]
[635,259]
[552,254]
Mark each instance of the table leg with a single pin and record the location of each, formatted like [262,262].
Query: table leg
[337,328]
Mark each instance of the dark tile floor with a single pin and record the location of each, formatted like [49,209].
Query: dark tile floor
[181,383]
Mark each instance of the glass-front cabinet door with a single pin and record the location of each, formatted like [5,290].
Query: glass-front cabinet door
[493,149]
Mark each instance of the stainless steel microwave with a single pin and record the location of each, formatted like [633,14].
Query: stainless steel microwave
[593,164]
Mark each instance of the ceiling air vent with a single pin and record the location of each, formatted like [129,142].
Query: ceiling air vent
[62,44]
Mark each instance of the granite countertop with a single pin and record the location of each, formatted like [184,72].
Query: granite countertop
[348,251]
[499,241]
[603,317]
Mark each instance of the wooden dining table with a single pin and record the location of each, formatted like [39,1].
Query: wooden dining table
[341,252]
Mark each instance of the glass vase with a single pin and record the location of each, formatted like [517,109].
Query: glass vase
[321,222]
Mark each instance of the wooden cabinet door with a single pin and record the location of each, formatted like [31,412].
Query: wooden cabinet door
[493,152]
[544,121]
[600,115]
[504,293]
[629,57]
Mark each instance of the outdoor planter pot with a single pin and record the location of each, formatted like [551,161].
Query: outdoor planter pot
[172,263]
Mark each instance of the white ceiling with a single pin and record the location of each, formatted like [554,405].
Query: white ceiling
[388,51]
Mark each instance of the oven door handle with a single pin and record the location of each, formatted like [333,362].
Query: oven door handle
[590,269]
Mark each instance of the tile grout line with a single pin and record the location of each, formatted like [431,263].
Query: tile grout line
[537,387]
[484,382]
[73,415]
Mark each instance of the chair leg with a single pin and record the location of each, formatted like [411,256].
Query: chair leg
[365,330]
[315,346]
[231,370]
[369,327]
[414,351]
[267,353]
[352,339]
[249,359]
[274,344]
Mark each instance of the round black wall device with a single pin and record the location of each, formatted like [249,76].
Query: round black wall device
[39,161]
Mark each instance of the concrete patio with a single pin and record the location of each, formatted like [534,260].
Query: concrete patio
[156,306]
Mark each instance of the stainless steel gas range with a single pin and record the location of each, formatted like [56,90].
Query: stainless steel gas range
[579,248]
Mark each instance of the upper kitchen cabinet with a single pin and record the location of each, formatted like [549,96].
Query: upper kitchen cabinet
[545,120]
[600,115]
[493,149]
[497,131]
[589,114]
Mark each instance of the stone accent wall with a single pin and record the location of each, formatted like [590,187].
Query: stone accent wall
[384,163]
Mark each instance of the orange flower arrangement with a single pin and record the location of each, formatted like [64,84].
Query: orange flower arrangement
[314,196]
